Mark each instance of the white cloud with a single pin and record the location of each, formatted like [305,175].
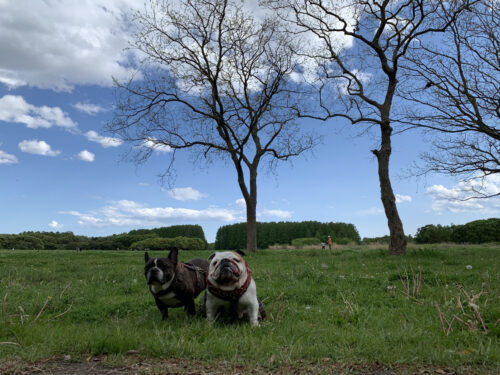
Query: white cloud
[6,158]
[55,225]
[402,198]
[372,211]
[281,214]
[241,203]
[186,194]
[130,213]
[105,142]
[156,145]
[59,44]
[37,147]
[461,197]
[126,213]
[14,108]
[86,156]
[12,83]
[90,109]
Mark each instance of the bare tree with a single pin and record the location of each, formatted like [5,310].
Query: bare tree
[216,82]
[359,46]
[457,89]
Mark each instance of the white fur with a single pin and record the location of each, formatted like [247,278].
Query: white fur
[247,304]
[157,287]
[169,299]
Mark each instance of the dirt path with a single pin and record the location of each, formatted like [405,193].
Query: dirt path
[142,366]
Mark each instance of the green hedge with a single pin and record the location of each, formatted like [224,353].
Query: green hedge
[191,231]
[158,243]
[70,241]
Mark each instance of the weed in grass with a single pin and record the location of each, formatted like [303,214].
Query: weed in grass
[412,284]
[464,310]
[348,311]
[275,312]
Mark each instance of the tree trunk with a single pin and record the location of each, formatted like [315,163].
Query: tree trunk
[251,228]
[397,241]
[252,214]
[250,196]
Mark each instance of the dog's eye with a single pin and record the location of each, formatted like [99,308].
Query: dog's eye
[237,260]
[215,263]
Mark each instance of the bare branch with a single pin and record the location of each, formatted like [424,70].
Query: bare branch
[456,83]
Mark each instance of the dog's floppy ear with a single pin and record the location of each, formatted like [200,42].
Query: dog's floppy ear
[242,253]
[211,256]
[146,257]
[174,252]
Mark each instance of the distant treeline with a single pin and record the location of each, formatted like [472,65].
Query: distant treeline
[192,237]
[479,231]
[188,237]
[282,233]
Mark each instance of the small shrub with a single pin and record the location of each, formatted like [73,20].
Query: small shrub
[306,241]
[342,241]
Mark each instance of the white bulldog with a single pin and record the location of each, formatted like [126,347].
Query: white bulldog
[231,290]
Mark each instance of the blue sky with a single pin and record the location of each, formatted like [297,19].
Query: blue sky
[61,172]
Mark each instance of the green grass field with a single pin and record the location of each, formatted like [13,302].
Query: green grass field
[352,305]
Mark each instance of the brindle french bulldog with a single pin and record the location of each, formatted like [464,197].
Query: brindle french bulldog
[173,283]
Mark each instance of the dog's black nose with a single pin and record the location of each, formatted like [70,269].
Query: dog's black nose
[153,272]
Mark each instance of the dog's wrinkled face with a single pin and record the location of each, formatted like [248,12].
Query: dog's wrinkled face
[159,273]
[227,270]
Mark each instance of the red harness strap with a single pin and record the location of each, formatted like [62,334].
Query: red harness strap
[231,295]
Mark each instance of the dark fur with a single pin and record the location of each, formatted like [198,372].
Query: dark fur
[187,285]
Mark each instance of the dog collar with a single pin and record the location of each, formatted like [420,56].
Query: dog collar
[231,295]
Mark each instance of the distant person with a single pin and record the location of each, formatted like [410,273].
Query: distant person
[322,246]
[330,242]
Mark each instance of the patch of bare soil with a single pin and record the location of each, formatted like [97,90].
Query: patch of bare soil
[159,366]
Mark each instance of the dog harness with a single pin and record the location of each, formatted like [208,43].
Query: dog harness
[198,271]
[179,275]
[231,295]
